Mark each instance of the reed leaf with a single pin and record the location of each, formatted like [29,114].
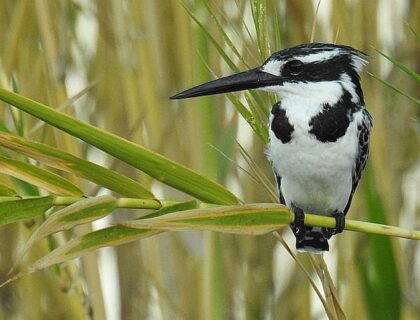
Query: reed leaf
[39,177]
[82,168]
[155,165]
[7,191]
[22,209]
[87,210]
[83,211]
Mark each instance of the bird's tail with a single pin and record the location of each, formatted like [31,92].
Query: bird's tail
[314,241]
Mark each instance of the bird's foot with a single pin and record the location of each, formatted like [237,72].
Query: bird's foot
[298,225]
[340,222]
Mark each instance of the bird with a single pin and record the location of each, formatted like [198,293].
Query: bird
[318,130]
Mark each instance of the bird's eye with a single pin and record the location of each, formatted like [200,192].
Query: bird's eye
[294,67]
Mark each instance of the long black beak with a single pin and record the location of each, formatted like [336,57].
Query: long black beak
[251,79]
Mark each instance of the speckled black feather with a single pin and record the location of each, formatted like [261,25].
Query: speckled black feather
[362,157]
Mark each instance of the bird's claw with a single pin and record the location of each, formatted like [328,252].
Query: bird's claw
[298,225]
[340,223]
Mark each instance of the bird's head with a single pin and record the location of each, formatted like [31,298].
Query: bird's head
[306,71]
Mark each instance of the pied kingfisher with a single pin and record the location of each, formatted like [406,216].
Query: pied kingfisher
[319,130]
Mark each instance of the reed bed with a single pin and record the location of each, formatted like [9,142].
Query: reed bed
[114,65]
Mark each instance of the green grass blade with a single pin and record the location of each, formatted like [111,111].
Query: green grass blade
[248,117]
[389,85]
[64,161]
[226,38]
[6,191]
[218,47]
[181,206]
[39,177]
[16,210]
[81,212]
[378,269]
[275,25]
[246,219]
[256,218]
[111,236]
[414,75]
[260,114]
[259,17]
[155,165]
[253,118]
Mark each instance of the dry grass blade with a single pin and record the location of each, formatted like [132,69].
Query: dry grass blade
[336,35]
[66,104]
[328,308]
[117,235]
[242,169]
[257,172]
[330,291]
[314,22]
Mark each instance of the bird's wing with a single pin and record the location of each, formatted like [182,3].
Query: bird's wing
[364,128]
[278,180]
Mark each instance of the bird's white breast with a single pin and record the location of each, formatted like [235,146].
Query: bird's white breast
[316,176]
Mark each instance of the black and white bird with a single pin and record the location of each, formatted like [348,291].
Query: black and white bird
[319,130]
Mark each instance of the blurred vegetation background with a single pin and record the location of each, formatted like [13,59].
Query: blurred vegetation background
[114,64]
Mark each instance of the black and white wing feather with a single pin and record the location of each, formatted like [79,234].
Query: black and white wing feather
[364,130]
[278,180]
